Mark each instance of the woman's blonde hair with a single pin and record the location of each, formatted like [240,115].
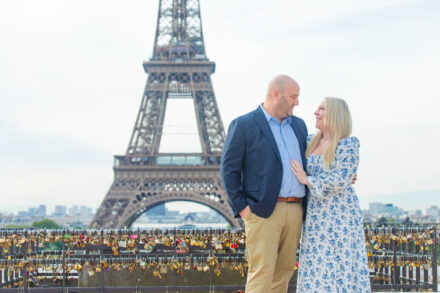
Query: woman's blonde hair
[338,120]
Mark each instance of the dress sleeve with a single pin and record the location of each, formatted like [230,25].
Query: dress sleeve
[339,177]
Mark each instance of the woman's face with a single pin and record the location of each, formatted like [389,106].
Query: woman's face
[319,115]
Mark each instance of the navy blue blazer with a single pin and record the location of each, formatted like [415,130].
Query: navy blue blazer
[251,164]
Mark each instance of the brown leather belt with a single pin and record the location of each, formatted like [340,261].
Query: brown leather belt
[290,199]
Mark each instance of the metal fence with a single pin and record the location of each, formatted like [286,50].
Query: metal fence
[403,258]
[400,258]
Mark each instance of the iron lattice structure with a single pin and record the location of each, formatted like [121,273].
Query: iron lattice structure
[144,178]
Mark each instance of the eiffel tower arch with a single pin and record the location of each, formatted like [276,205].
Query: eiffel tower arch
[144,178]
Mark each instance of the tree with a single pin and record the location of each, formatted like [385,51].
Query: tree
[45,224]
[384,220]
[407,221]
[15,226]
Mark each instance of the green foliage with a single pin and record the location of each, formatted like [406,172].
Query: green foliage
[53,246]
[15,226]
[48,224]
[385,220]
[45,224]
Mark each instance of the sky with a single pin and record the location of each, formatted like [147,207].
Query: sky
[71,83]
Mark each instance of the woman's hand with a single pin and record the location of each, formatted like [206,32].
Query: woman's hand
[299,172]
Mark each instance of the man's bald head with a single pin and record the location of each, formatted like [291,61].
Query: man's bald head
[279,83]
[281,97]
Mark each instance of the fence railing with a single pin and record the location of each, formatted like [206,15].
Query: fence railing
[403,257]
[399,258]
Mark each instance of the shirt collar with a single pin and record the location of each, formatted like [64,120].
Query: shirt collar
[268,117]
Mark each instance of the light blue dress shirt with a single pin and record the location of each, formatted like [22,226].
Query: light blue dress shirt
[288,147]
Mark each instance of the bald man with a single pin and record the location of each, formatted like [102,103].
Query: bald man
[262,189]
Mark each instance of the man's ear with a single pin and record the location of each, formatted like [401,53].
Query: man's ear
[276,94]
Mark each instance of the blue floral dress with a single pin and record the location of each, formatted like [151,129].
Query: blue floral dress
[333,255]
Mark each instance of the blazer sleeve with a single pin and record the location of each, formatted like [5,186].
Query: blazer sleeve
[231,166]
[338,178]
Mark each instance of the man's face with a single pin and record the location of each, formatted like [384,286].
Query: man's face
[288,99]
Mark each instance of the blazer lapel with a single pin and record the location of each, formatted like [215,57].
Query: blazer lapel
[267,132]
[296,129]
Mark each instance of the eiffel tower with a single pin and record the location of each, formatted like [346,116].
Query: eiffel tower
[144,178]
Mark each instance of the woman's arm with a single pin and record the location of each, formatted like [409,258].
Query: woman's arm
[347,162]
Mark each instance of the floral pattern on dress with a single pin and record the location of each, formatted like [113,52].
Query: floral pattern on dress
[333,256]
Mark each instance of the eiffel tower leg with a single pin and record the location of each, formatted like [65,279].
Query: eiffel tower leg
[134,192]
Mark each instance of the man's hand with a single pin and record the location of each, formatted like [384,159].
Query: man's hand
[245,212]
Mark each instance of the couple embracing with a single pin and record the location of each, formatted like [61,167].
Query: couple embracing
[289,186]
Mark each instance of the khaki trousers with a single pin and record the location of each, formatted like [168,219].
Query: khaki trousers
[271,248]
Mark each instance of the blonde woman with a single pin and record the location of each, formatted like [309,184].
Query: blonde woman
[333,255]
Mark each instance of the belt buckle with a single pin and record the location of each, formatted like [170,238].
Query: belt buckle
[290,199]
